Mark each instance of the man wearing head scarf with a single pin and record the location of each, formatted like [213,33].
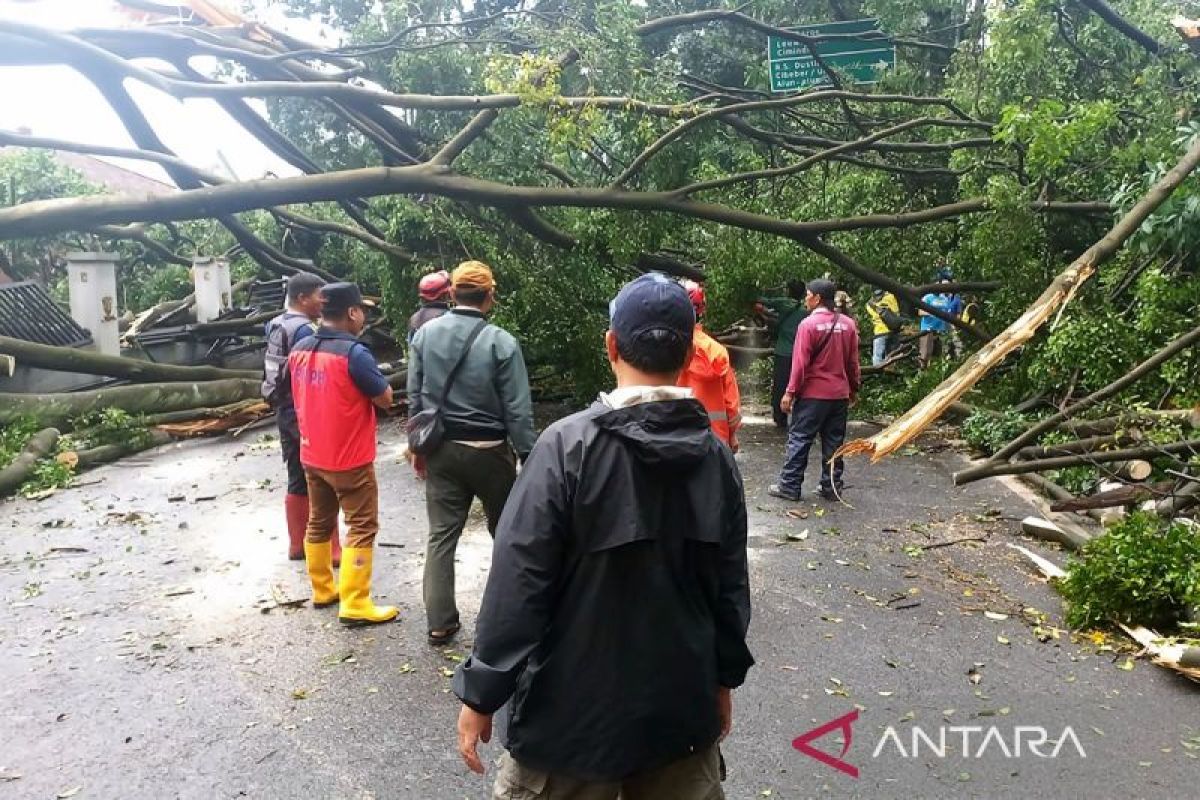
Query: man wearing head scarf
[434,291]
[487,414]
[824,382]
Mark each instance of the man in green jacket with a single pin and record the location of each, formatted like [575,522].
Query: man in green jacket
[488,407]
[789,312]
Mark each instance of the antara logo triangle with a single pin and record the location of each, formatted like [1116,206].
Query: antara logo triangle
[803,743]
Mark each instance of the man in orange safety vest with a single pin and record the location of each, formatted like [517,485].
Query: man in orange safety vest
[711,378]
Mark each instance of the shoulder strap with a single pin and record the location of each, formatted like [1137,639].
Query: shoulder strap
[828,335]
[478,329]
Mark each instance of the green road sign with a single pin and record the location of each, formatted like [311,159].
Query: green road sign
[793,67]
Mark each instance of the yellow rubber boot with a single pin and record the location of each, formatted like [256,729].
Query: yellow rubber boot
[319,558]
[354,586]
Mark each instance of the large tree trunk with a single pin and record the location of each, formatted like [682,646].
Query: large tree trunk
[38,447]
[55,409]
[1056,295]
[70,359]
[105,453]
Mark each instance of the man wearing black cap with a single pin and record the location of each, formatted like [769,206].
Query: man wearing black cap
[824,382]
[337,386]
[297,322]
[616,609]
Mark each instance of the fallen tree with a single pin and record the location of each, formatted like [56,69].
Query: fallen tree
[70,359]
[1106,426]
[992,469]
[40,445]
[56,409]
[107,453]
[1057,294]
[1120,496]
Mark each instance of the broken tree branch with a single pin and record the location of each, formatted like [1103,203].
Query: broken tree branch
[1056,295]
[1134,375]
[71,359]
[1110,15]
[56,409]
[40,445]
[1149,453]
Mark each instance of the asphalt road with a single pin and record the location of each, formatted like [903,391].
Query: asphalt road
[144,653]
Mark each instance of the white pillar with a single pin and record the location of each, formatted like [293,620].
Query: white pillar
[207,279]
[226,281]
[92,288]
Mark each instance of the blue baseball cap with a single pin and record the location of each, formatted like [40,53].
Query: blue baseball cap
[651,302]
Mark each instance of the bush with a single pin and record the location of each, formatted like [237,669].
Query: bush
[1142,571]
[988,431]
[109,426]
[13,438]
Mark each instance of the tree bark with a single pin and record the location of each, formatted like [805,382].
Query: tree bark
[1109,425]
[70,359]
[1123,496]
[1110,15]
[190,414]
[1088,445]
[992,469]
[1060,291]
[40,445]
[1184,498]
[106,453]
[55,409]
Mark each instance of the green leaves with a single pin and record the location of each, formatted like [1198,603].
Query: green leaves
[1142,571]
[1051,133]
[989,431]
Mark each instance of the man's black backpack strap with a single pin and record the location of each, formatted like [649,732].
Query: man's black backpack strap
[828,335]
[426,429]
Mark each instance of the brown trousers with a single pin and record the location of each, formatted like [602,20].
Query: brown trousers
[355,492]
[697,777]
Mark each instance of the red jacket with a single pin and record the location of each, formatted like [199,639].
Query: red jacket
[834,374]
[711,378]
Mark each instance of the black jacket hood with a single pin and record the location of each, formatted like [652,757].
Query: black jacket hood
[667,433]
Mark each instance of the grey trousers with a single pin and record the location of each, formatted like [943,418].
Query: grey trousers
[696,777]
[455,475]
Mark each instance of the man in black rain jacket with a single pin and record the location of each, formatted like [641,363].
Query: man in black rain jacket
[616,610]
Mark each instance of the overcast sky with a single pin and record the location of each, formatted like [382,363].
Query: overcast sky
[57,102]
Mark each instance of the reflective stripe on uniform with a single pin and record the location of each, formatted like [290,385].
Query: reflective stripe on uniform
[718,415]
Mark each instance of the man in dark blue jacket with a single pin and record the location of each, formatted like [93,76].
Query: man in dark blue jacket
[616,609]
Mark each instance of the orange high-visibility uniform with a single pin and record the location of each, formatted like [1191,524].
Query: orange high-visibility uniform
[711,378]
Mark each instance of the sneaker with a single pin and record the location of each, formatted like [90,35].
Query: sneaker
[775,490]
[827,493]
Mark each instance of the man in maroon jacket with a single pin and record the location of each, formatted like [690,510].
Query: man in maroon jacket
[824,382]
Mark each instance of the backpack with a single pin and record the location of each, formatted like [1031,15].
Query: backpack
[891,319]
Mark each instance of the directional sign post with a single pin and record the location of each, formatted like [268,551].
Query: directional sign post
[793,67]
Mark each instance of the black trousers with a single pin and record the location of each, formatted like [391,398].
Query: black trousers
[289,443]
[812,418]
[779,382]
